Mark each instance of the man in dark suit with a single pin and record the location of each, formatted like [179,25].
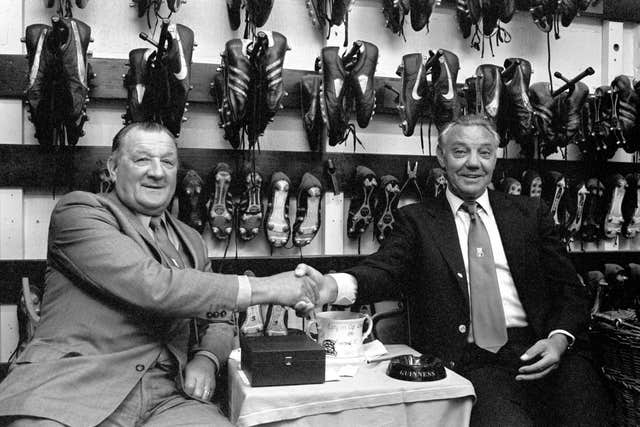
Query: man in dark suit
[123,279]
[489,290]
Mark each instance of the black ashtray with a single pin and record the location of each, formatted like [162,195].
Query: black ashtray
[416,368]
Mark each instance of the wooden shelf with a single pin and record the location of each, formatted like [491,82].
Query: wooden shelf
[62,170]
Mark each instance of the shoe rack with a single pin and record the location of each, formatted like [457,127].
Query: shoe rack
[28,166]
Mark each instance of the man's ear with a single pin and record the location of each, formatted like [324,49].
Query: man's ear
[440,155]
[112,166]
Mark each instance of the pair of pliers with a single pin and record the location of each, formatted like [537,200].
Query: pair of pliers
[412,175]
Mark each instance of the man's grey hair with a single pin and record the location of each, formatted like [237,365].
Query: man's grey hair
[142,126]
[477,120]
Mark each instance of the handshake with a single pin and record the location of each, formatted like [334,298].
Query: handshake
[303,289]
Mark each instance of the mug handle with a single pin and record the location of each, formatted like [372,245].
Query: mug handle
[369,328]
[308,329]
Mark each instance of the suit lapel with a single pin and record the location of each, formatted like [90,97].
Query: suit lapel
[134,221]
[445,236]
[509,220]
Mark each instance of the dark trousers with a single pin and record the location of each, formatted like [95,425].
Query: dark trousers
[572,395]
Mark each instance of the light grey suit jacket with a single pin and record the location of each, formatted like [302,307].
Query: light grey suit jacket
[108,308]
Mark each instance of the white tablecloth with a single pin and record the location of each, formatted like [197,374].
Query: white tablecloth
[371,398]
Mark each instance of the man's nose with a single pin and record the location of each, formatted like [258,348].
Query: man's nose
[473,161]
[155,169]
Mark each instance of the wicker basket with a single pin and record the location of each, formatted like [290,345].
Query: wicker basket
[616,335]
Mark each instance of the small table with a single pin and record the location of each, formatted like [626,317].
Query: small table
[371,398]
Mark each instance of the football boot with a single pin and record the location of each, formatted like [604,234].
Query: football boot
[491,12]
[420,13]
[475,9]
[394,13]
[308,216]
[613,195]
[578,199]
[174,5]
[191,201]
[277,226]
[139,99]
[361,80]
[233,13]
[631,207]
[567,10]
[335,113]
[73,39]
[220,205]
[542,12]
[507,10]
[606,124]
[179,54]
[473,104]
[275,324]
[488,87]
[250,210]
[236,69]
[338,11]
[258,11]
[39,92]
[412,98]
[142,6]
[386,206]
[271,66]
[511,186]
[232,129]
[310,104]
[361,208]
[553,190]
[436,183]
[532,183]
[543,105]
[626,111]
[463,15]
[446,106]
[591,229]
[516,76]
[567,113]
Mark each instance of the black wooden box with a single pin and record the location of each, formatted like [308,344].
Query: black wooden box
[282,360]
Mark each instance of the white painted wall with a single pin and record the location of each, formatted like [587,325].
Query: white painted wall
[115,27]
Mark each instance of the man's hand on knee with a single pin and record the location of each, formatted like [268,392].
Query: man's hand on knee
[200,377]
[548,353]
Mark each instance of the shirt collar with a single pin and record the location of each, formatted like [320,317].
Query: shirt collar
[455,202]
[146,219]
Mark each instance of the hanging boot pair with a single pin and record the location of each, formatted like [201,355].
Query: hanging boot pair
[58,88]
[249,87]
[516,122]
[594,212]
[158,81]
[308,215]
[485,91]
[626,112]
[346,79]
[435,97]
[421,11]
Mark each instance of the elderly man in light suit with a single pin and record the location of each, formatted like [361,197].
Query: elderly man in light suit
[111,347]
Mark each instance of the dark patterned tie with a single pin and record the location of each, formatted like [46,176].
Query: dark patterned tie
[171,254]
[487,314]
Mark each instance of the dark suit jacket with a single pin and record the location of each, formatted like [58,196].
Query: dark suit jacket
[109,307]
[422,262]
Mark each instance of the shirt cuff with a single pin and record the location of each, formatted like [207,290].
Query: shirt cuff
[244,293]
[347,288]
[211,357]
[569,336]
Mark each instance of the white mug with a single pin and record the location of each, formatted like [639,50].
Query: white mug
[340,332]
